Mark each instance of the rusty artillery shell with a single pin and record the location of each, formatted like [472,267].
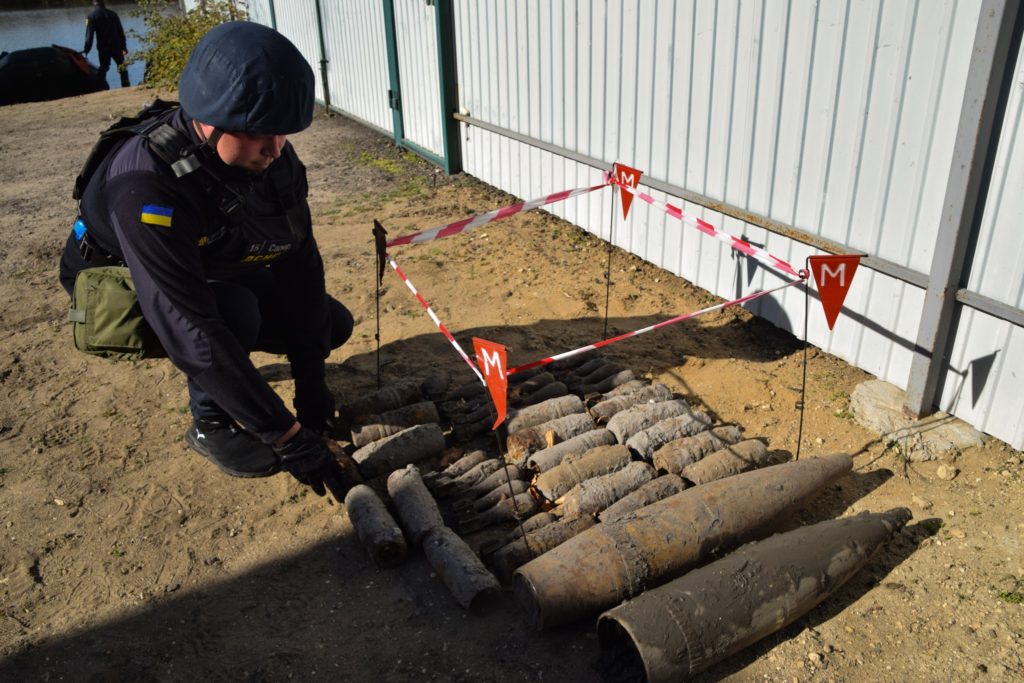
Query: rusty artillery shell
[741,457]
[594,495]
[520,445]
[473,475]
[517,553]
[417,511]
[610,382]
[533,523]
[398,450]
[467,391]
[626,389]
[386,398]
[460,466]
[646,442]
[630,421]
[557,481]
[482,412]
[599,373]
[435,385]
[503,490]
[547,458]
[568,364]
[552,409]
[546,392]
[370,428]
[519,506]
[677,454]
[651,393]
[682,628]
[584,369]
[530,385]
[651,492]
[375,527]
[618,560]
[502,475]
[473,587]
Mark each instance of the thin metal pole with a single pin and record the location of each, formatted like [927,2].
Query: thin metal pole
[803,382]
[608,268]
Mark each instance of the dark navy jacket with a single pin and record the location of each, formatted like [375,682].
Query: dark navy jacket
[109,35]
[124,207]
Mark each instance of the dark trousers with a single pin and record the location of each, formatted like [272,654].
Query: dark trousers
[256,316]
[118,58]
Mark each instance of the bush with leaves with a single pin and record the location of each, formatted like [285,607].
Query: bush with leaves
[171,35]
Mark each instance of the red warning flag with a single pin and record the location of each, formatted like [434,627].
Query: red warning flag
[833,275]
[626,176]
[490,356]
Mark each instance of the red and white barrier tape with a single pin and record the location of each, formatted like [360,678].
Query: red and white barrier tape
[467,224]
[735,242]
[635,333]
[437,321]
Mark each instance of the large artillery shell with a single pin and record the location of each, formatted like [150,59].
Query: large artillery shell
[594,495]
[525,442]
[651,492]
[677,454]
[417,511]
[601,460]
[630,421]
[741,457]
[375,527]
[682,628]
[653,393]
[645,443]
[552,409]
[545,393]
[618,560]
[547,458]
[473,587]
[370,428]
[386,398]
[610,382]
[398,450]
[517,553]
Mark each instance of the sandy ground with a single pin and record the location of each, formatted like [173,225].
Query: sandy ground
[126,556]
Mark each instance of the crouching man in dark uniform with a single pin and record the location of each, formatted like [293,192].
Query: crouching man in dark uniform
[218,241]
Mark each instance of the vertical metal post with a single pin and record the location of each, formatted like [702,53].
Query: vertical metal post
[447,75]
[273,15]
[971,159]
[394,94]
[323,56]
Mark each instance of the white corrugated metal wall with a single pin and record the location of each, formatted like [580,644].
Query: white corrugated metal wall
[986,346]
[836,117]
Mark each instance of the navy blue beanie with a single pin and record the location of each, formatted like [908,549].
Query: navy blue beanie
[245,77]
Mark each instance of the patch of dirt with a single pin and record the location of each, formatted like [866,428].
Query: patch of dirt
[126,556]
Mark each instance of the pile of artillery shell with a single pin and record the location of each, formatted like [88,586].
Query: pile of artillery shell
[594,495]
[633,420]
[387,398]
[646,442]
[645,393]
[375,526]
[741,457]
[525,442]
[398,450]
[651,492]
[559,480]
[546,411]
[370,428]
[547,458]
[676,455]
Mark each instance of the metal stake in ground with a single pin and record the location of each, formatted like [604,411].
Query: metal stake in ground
[608,268]
[380,244]
[803,383]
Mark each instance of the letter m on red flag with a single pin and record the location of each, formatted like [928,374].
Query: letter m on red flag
[833,275]
[629,177]
[491,358]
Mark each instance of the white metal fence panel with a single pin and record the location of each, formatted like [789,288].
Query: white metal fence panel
[416,38]
[260,11]
[358,60]
[835,117]
[296,20]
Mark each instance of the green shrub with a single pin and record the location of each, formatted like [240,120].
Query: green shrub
[171,35]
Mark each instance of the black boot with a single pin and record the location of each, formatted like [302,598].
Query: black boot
[232,449]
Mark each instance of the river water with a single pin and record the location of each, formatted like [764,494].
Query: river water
[26,28]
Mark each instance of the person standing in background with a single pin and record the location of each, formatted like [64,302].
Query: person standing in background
[110,41]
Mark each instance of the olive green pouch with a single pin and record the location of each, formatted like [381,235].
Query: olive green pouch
[107,318]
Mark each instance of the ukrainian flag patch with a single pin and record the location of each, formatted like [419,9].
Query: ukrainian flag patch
[157,215]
